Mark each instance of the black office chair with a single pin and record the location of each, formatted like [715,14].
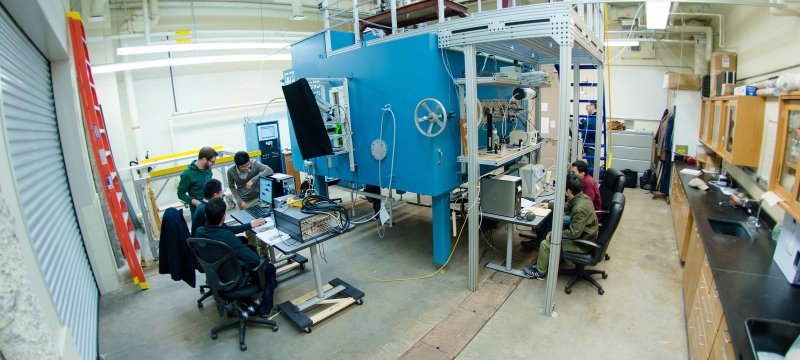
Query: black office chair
[230,286]
[598,248]
[613,182]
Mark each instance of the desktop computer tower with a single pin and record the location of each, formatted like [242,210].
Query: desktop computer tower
[501,195]
[283,184]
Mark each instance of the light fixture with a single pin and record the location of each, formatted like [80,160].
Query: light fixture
[297,11]
[138,65]
[657,13]
[622,42]
[151,49]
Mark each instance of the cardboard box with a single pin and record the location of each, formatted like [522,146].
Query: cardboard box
[727,89]
[678,81]
[745,90]
[723,61]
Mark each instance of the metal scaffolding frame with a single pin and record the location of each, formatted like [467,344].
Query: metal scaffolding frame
[553,33]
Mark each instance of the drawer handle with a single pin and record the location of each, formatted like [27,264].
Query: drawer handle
[726,335]
[700,339]
[715,292]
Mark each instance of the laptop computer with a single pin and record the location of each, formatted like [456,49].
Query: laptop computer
[260,210]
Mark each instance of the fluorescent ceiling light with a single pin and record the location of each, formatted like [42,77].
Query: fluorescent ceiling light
[657,13]
[297,17]
[151,49]
[137,65]
[622,42]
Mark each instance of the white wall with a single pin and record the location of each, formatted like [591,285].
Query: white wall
[767,46]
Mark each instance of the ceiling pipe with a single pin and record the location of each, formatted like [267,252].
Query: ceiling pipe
[679,30]
[792,8]
[721,18]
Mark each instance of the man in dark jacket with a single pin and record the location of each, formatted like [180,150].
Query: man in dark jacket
[190,186]
[582,225]
[212,190]
[215,230]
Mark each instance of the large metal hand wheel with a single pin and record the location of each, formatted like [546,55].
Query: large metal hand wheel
[429,113]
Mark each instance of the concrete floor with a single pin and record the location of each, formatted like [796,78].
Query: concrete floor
[639,317]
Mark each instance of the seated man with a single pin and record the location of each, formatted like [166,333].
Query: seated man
[590,188]
[212,190]
[244,177]
[582,225]
[581,169]
[215,230]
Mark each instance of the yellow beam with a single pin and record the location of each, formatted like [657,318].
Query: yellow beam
[180,168]
[177,155]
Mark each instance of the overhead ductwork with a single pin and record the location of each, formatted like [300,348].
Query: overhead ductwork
[792,8]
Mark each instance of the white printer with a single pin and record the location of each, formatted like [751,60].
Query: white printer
[787,251]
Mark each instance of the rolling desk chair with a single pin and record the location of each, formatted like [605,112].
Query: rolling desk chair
[613,182]
[598,248]
[228,286]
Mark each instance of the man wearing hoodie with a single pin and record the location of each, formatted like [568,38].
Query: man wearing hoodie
[190,186]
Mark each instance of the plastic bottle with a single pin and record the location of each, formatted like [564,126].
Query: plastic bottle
[495,138]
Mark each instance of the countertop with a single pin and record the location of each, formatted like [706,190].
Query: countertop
[750,284]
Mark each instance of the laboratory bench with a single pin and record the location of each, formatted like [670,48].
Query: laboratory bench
[727,279]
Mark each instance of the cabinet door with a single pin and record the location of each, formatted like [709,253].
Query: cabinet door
[784,180]
[730,127]
[717,124]
[704,120]
[722,349]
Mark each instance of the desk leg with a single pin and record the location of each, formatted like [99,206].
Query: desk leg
[326,300]
[509,242]
[509,252]
[317,275]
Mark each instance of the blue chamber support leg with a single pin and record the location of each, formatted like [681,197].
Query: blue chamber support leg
[320,186]
[441,228]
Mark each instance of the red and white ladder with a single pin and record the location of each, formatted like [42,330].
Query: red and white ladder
[104,160]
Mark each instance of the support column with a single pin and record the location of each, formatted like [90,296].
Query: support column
[576,110]
[537,117]
[471,90]
[441,227]
[599,137]
[320,186]
[565,59]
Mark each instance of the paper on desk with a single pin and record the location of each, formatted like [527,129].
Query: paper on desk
[771,198]
[692,172]
[540,211]
[527,203]
[272,236]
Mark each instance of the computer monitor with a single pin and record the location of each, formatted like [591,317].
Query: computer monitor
[265,190]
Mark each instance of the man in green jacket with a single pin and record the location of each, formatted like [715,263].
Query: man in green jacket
[190,187]
[582,225]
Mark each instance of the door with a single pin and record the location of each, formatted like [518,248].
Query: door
[730,127]
[34,148]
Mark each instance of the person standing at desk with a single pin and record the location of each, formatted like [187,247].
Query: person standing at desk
[213,190]
[244,177]
[582,225]
[215,230]
[190,186]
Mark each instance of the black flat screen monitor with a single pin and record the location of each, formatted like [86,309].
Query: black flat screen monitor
[309,130]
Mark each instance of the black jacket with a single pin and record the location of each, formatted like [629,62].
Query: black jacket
[175,256]
[247,257]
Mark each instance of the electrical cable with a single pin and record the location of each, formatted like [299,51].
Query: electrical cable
[361,270]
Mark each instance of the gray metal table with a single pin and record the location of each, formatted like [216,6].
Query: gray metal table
[510,222]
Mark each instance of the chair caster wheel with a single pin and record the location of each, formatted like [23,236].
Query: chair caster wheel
[568,290]
[360,302]
[601,291]
[243,347]
[213,336]
[302,266]
[274,329]
[604,275]
[199,305]
[607,257]
[307,330]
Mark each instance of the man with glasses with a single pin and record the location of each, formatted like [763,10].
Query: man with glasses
[190,186]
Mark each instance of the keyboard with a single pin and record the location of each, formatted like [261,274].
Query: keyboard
[257,212]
